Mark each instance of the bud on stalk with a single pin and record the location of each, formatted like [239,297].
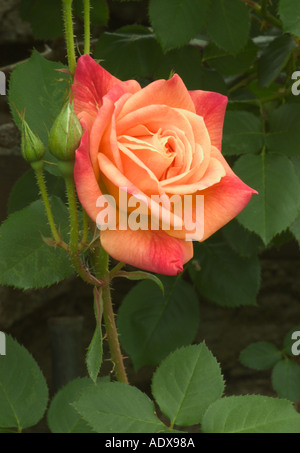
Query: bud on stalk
[32,148]
[65,134]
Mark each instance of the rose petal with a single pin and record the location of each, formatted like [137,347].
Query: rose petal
[135,170]
[86,183]
[114,180]
[154,251]
[99,126]
[155,117]
[225,200]
[213,175]
[172,93]
[211,106]
[150,155]
[91,83]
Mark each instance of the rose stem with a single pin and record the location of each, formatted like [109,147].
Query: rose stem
[87,31]
[72,202]
[67,169]
[262,11]
[69,34]
[85,232]
[43,189]
[102,260]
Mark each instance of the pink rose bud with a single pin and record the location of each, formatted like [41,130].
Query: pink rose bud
[65,134]
[32,147]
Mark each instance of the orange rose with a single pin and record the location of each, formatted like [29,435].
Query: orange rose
[151,144]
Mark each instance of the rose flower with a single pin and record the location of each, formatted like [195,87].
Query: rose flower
[159,148]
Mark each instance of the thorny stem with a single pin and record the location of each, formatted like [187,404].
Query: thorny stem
[39,173]
[72,201]
[84,273]
[73,249]
[112,336]
[85,231]
[87,30]
[102,261]
[102,278]
[69,34]
[116,269]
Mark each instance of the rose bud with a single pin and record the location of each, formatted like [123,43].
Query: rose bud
[32,147]
[65,134]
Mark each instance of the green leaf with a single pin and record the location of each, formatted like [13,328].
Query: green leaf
[176,22]
[296,162]
[251,414]
[45,17]
[134,44]
[186,383]
[223,276]
[263,92]
[140,275]
[277,203]
[289,13]
[295,228]
[228,25]
[274,58]
[284,130]
[229,64]
[286,379]
[195,76]
[242,241]
[95,354]
[23,389]
[152,325]
[260,356]
[243,133]
[25,191]
[38,88]
[114,407]
[26,261]
[61,416]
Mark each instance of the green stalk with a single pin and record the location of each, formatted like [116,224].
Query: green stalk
[69,34]
[262,12]
[264,6]
[87,27]
[66,169]
[72,202]
[85,231]
[101,264]
[39,173]
[112,336]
